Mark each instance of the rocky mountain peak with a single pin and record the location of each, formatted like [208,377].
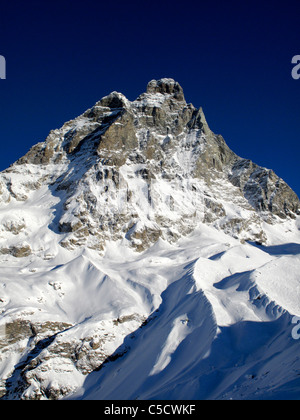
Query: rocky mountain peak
[77,290]
[143,170]
[166,86]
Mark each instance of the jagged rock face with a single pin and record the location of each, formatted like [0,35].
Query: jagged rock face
[53,351]
[143,170]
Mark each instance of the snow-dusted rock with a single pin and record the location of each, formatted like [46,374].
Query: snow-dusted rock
[143,170]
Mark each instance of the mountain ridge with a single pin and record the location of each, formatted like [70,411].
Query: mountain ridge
[131,237]
[162,140]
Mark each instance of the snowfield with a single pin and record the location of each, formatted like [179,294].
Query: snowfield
[205,318]
[141,258]
[219,332]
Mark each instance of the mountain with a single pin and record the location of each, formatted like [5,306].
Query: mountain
[142,258]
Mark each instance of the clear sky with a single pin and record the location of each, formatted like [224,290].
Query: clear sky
[233,58]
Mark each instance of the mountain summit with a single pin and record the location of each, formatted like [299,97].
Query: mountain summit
[134,238]
[143,170]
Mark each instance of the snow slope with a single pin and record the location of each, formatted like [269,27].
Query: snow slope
[219,332]
[216,315]
[205,318]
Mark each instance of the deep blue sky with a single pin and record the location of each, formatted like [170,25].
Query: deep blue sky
[233,58]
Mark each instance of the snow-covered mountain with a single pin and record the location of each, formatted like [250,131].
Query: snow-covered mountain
[141,258]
